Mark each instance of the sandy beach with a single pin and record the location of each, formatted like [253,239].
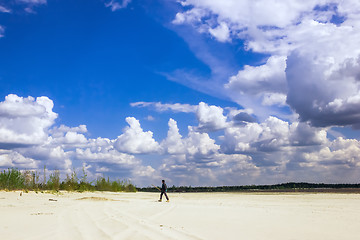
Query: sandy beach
[187,216]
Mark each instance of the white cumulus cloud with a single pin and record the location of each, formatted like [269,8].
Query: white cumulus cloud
[135,140]
[267,78]
[196,145]
[173,144]
[13,159]
[210,118]
[25,121]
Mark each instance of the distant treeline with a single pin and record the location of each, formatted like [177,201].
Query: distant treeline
[14,179]
[291,186]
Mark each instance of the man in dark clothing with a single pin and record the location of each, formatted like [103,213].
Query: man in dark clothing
[163,191]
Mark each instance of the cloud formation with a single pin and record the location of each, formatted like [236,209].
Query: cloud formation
[305,81]
[162,107]
[247,151]
[309,54]
[266,81]
[117,4]
[35,2]
[135,140]
[211,118]
[25,121]
[173,143]
[334,96]
[29,140]
[27,5]
[4,9]
[2,30]
[14,159]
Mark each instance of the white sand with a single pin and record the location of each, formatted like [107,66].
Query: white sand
[188,216]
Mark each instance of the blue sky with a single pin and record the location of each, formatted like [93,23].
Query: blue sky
[196,92]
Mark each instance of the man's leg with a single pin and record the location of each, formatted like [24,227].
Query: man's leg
[161,196]
[167,198]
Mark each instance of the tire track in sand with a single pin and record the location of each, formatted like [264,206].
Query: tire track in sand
[145,228]
[76,223]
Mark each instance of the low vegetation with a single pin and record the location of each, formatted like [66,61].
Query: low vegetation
[14,179]
[284,187]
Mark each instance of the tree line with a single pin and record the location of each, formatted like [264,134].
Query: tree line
[14,179]
[290,186]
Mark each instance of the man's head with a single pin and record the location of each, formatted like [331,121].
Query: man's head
[163,181]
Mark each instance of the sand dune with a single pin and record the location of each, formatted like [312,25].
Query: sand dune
[187,216]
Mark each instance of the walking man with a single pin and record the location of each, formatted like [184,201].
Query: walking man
[163,191]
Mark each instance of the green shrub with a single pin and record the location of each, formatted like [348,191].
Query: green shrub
[54,181]
[12,179]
